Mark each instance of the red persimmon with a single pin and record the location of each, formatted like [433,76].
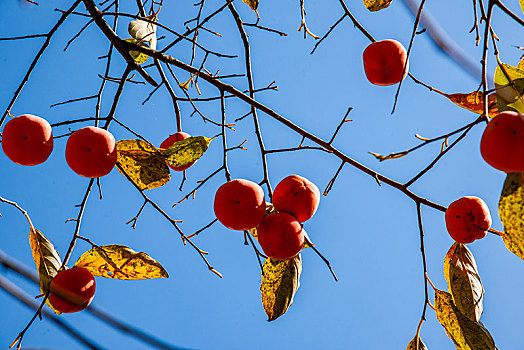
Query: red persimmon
[468,219]
[240,204]
[91,152]
[27,140]
[72,290]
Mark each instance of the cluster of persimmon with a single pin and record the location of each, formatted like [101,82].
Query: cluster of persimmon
[240,205]
[90,152]
[502,147]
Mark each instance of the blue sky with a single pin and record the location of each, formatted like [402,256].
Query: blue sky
[369,233]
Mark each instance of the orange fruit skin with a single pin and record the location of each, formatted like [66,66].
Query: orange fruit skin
[281,236]
[468,219]
[72,290]
[297,196]
[27,140]
[240,204]
[384,62]
[179,136]
[502,143]
[91,152]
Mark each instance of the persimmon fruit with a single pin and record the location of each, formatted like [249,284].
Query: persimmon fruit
[297,196]
[280,235]
[72,290]
[468,219]
[179,136]
[384,62]
[91,152]
[502,143]
[27,140]
[239,204]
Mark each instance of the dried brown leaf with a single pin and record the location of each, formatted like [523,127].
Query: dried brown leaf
[376,5]
[474,102]
[389,156]
[413,344]
[460,270]
[253,4]
[465,333]
[47,260]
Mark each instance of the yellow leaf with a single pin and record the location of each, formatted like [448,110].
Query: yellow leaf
[375,5]
[509,97]
[460,270]
[413,344]
[389,156]
[143,163]
[465,333]
[186,151]
[253,4]
[121,262]
[474,102]
[47,260]
[511,213]
[521,5]
[280,282]
[137,55]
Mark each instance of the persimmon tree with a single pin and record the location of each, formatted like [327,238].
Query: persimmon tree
[253,108]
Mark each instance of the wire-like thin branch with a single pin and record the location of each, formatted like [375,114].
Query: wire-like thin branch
[28,301]
[16,266]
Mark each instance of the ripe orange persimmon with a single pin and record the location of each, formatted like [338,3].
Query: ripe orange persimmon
[384,62]
[179,136]
[502,143]
[280,235]
[91,152]
[72,290]
[240,204]
[27,140]
[468,219]
[297,196]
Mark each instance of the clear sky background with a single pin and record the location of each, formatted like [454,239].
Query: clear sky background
[369,233]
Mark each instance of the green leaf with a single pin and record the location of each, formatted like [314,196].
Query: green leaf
[509,97]
[137,55]
[460,270]
[413,344]
[186,151]
[121,262]
[465,333]
[280,282]
[47,261]
[143,163]
[511,213]
[376,5]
